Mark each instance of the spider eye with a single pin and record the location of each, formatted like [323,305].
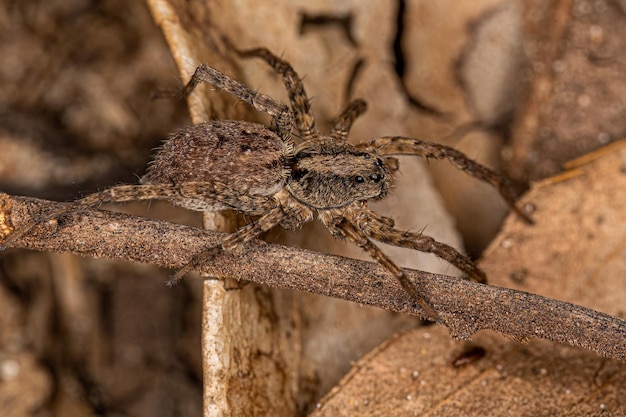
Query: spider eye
[376,177]
[359,179]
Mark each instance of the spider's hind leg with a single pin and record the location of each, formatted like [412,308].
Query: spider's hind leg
[207,192]
[117,194]
[280,113]
[300,104]
[380,229]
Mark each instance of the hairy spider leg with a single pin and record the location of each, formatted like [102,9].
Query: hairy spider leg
[242,235]
[216,192]
[116,194]
[381,230]
[356,236]
[281,116]
[343,122]
[398,145]
[300,103]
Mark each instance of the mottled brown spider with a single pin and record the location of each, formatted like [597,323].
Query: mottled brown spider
[261,172]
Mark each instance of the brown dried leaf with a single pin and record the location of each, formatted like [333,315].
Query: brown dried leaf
[577,89]
[577,250]
[414,374]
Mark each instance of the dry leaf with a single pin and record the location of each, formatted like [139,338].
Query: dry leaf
[577,250]
[577,91]
[415,374]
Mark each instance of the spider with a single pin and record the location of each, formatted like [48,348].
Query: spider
[260,172]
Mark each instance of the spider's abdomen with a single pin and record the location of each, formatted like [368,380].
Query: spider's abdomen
[246,157]
[336,174]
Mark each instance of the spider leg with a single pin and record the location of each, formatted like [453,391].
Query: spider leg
[280,113]
[115,194]
[354,234]
[242,235]
[396,145]
[212,192]
[343,122]
[300,104]
[382,230]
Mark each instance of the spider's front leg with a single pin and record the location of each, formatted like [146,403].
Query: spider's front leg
[381,229]
[397,145]
[340,227]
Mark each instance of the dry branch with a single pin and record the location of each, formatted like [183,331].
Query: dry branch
[465,307]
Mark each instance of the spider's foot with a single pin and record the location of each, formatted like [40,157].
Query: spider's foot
[523,215]
[175,279]
[172,282]
[476,275]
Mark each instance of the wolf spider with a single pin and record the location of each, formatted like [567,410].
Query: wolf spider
[259,171]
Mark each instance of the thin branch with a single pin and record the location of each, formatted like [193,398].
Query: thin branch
[464,306]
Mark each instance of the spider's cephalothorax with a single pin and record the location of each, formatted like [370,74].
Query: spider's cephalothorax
[256,170]
[335,174]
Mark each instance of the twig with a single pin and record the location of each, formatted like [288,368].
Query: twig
[464,306]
